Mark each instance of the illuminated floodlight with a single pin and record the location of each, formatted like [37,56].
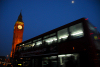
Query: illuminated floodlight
[23,44]
[61,55]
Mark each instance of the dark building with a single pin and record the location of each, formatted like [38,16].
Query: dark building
[2,58]
[2,61]
[75,44]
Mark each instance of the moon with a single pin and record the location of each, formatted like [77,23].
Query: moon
[72,1]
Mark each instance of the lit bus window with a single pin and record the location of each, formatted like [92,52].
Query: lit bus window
[76,31]
[33,44]
[51,40]
[27,47]
[38,43]
[63,34]
[20,48]
[68,60]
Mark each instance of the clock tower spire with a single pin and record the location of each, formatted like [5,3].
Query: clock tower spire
[20,18]
[17,34]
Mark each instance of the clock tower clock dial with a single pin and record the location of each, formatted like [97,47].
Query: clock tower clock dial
[18,34]
[19,26]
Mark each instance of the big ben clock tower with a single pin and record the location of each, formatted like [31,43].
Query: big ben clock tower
[18,33]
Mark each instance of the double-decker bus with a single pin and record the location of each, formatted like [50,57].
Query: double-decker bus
[76,44]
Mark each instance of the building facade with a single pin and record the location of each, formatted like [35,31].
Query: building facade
[76,44]
[17,34]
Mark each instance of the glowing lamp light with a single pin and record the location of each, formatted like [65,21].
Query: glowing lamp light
[68,54]
[33,45]
[19,64]
[95,37]
[73,48]
[61,55]
[55,39]
[51,40]
[63,37]
[78,33]
[38,43]
[21,58]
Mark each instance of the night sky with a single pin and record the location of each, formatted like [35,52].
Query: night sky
[40,16]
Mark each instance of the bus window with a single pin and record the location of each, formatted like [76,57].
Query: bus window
[51,40]
[68,60]
[38,43]
[76,31]
[62,34]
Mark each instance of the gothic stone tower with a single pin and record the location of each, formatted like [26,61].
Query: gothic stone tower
[18,33]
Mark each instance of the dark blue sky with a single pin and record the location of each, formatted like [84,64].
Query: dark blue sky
[40,16]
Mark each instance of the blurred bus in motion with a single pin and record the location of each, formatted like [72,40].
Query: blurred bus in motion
[76,44]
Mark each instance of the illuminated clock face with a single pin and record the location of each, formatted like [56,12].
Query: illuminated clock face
[19,27]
